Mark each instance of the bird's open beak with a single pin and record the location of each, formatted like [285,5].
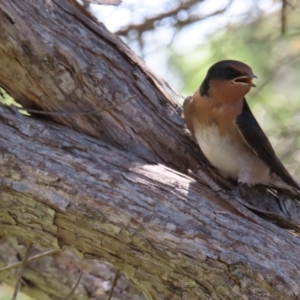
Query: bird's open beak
[245,80]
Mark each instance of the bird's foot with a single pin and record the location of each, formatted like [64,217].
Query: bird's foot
[200,175]
[235,193]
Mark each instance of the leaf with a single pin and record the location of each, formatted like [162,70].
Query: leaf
[7,291]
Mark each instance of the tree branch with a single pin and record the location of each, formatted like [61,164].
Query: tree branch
[159,227]
[188,6]
[105,191]
[86,71]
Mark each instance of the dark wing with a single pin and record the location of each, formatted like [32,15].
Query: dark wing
[259,143]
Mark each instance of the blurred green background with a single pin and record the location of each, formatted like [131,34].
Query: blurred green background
[180,40]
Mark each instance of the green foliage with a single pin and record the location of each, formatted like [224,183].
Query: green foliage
[7,291]
[6,99]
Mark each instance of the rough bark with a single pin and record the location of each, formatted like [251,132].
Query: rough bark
[109,191]
[168,234]
[54,276]
[54,57]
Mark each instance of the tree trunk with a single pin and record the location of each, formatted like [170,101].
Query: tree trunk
[113,186]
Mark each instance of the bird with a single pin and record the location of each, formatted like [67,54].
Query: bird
[227,132]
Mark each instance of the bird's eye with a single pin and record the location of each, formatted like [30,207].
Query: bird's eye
[228,73]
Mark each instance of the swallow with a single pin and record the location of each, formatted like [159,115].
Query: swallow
[228,134]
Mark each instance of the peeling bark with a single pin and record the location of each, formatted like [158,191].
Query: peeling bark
[53,277]
[113,186]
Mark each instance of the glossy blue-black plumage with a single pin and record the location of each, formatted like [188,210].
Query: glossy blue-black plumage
[259,143]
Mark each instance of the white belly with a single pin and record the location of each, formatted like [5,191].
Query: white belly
[220,151]
[231,157]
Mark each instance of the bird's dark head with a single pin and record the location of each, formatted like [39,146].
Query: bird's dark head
[229,77]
